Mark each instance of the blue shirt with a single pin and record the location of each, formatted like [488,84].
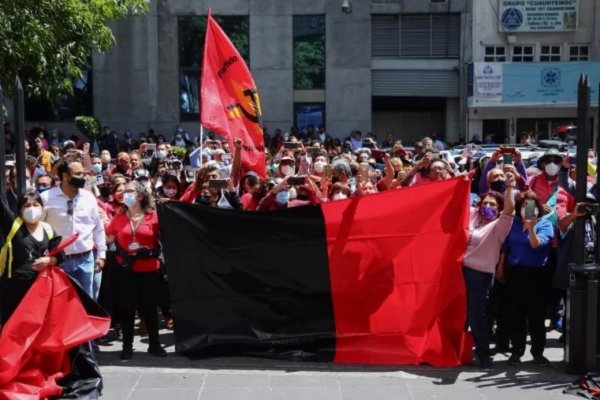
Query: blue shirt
[519,250]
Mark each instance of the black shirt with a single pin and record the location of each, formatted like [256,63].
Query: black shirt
[26,249]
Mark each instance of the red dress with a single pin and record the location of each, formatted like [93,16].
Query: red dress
[146,235]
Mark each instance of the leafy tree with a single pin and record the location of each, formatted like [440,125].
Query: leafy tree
[49,42]
[89,126]
[192,31]
[309,64]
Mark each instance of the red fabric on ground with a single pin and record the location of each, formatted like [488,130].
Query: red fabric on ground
[35,341]
[396,281]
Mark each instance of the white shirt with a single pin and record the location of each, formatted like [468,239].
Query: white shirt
[85,220]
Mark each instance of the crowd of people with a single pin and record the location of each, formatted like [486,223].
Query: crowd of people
[521,224]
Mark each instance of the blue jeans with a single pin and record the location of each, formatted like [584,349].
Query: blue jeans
[478,289]
[82,270]
[96,285]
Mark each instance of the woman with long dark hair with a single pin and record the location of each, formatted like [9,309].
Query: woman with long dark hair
[26,243]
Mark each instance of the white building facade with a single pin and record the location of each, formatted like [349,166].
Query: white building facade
[528,56]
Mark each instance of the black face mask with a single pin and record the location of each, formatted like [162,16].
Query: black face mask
[77,182]
[498,186]
[105,191]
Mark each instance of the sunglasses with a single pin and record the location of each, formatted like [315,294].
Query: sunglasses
[70,208]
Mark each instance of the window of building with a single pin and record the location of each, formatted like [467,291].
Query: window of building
[416,36]
[191,32]
[495,54]
[66,106]
[307,114]
[309,52]
[550,53]
[579,52]
[522,53]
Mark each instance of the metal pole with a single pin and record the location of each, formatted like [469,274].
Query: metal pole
[583,144]
[20,135]
[201,143]
[597,246]
[2,149]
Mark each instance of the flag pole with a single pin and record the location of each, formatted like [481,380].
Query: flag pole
[201,142]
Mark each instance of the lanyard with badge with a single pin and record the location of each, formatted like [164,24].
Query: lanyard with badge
[133,245]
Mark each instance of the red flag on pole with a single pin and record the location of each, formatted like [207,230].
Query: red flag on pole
[230,104]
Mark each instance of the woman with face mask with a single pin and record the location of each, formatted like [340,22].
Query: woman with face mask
[545,185]
[170,189]
[105,158]
[23,254]
[339,191]
[527,275]
[488,227]
[136,236]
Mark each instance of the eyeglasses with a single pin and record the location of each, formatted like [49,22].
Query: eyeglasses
[70,207]
[436,168]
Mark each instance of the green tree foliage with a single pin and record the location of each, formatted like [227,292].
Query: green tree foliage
[89,126]
[48,42]
[309,64]
[192,31]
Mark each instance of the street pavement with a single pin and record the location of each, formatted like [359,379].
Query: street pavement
[230,378]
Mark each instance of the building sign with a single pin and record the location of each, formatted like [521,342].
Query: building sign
[538,15]
[488,81]
[531,83]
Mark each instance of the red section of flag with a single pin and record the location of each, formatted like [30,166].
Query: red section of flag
[230,104]
[35,341]
[396,280]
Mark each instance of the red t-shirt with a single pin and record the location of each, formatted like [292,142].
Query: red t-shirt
[146,235]
[249,202]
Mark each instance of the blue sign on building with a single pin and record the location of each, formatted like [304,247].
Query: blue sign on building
[546,82]
[512,19]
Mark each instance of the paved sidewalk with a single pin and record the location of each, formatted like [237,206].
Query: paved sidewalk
[176,377]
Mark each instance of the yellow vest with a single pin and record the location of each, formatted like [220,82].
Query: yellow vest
[6,253]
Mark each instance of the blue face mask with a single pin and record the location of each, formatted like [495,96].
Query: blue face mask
[282,197]
[129,199]
[42,188]
[161,154]
[96,168]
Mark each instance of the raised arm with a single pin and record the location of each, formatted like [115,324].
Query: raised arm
[236,168]
[509,195]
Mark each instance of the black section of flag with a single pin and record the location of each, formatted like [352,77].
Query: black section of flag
[249,283]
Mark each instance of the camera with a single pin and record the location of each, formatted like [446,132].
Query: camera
[346,6]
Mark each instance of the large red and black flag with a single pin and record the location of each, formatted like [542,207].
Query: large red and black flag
[230,105]
[44,346]
[373,279]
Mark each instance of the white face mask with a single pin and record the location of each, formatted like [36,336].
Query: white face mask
[170,193]
[339,196]
[287,170]
[319,165]
[32,214]
[552,169]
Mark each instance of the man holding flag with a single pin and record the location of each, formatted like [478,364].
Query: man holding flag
[230,105]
